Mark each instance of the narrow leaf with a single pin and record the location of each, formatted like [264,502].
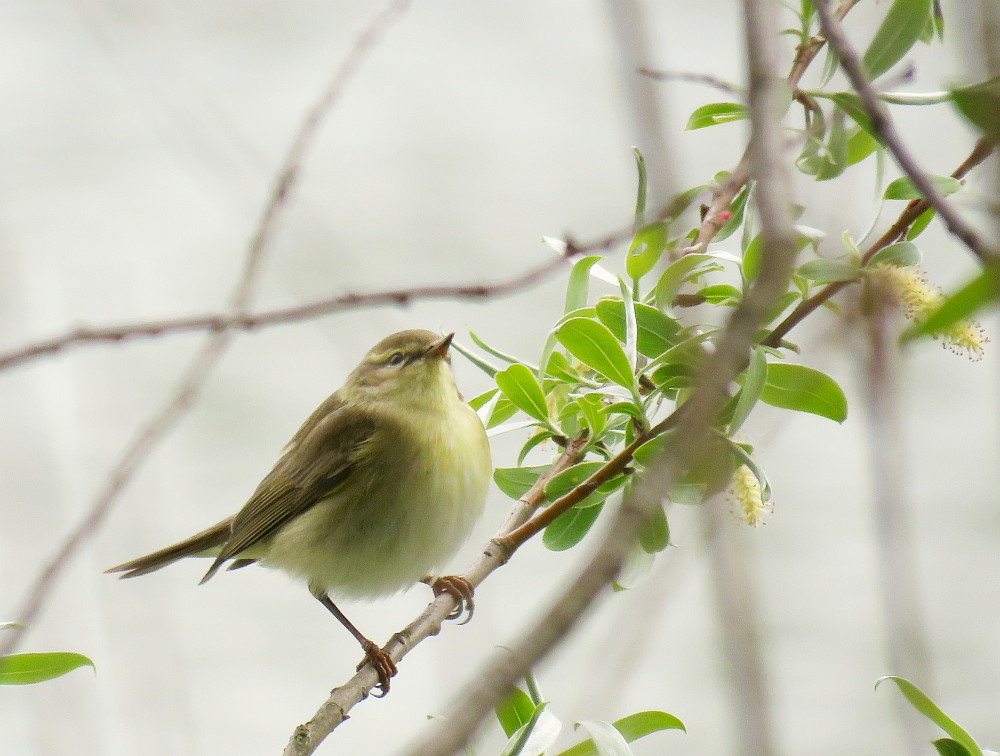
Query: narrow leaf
[514,710]
[578,287]
[646,249]
[949,747]
[900,254]
[569,528]
[754,378]
[594,345]
[564,482]
[606,739]
[519,384]
[903,188]
[980,103]
[655,534]
[716,113]
[825,270]
[900,30]
[674,277]
[804,389]
[920,701]
[24,669]
[517,481]
[632,727]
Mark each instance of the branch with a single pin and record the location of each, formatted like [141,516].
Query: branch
[137,451]
[715,216]
[883,126]
[911,212]
[692,433]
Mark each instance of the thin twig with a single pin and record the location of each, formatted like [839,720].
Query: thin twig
[883,125]
[690,437]
[717,214]
[138,450]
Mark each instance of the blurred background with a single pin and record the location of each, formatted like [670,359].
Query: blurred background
[139,143]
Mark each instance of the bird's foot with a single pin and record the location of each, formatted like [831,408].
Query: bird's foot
[458,588]
[381,662]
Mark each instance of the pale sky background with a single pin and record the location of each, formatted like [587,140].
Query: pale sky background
[138,141]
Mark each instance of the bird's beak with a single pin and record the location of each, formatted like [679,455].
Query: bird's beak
[439,349]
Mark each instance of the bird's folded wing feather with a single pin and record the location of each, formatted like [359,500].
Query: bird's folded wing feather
[319,459]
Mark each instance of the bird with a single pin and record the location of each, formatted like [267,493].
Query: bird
[380,486]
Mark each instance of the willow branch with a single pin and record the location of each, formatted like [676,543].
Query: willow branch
[147,438]
[716,215]
[691,435]
[911,212]
[883,125]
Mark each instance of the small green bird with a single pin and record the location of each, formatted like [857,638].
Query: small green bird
[379,487]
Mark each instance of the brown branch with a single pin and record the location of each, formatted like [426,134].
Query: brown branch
[307,737]
[911,212]
[883,125]
[137,451]
[716,215]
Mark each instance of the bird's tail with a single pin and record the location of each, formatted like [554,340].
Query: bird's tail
[205,543]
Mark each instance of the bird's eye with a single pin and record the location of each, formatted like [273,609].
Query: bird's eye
[397,358]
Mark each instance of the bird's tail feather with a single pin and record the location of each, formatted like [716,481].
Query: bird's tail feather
[200,544]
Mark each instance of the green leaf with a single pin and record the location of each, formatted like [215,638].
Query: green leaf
[534,735]
[980,103]
[578,287]
[480,401]
[514,711]
[632,727]
[676,274]
[569,528]
[860,144]
[804,389]
[825,270]
[752,257]
[656,332]
[981,291]
[517,481]
[949,747]
[565,481]
[592,408]
[721,294]
[503,411]
[900,30]
[716,113]
[919,700]
[753,381]
[534,440]
[850,103]
[519,384]
[606,739]
[922,222]
[655,534]
[903,188]
[640,193]
[24,669]
[738,209]
[475,359]
[509,359]
[595,346]
[646,249]
[900,254]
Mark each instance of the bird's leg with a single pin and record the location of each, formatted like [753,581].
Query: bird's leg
[458,588]
[381,662]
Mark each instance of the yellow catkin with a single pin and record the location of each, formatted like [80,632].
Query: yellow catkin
[918,299]
[744,490]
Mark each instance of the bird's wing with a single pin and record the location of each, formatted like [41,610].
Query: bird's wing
[319,460]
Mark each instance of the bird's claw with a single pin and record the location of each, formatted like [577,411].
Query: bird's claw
[461,590]
[381,662]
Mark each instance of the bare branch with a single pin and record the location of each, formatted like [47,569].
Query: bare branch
[886,130]
[137,451]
